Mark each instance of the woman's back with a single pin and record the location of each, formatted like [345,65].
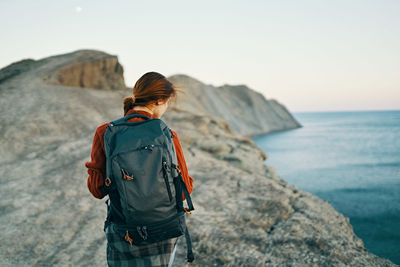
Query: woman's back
[151,95]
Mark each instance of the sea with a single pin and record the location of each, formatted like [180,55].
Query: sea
[352,160]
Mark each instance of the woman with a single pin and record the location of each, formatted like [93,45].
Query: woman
[151,95]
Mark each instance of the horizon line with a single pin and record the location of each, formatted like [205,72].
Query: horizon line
[343,110]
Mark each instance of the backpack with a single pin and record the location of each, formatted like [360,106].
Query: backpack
[144,182]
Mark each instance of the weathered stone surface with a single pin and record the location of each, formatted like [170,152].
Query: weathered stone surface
[92,71]
[246,215]
[82,68]
[247,111]
[16,68]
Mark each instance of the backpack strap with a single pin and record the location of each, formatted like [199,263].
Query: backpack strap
[189,253]
[187,196]
[108,219]
[190,256]
[184,189]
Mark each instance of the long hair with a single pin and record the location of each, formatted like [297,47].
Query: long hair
[152,86]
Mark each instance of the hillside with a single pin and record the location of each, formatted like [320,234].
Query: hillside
[247,111]
[246,215]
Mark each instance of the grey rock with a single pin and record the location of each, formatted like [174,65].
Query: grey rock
[16,68]
[246,111]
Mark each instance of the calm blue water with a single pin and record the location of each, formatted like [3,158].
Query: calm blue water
[352,160]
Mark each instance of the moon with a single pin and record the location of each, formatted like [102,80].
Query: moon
[78,9]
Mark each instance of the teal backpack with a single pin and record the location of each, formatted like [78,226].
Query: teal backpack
[144,182]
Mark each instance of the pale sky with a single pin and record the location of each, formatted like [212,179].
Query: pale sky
[310,55]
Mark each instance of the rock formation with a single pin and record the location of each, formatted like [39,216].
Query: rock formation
[16,68]
[82,68]
[246,215]
[247,111]
[91,70]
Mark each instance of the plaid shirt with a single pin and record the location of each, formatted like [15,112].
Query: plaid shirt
[121,253]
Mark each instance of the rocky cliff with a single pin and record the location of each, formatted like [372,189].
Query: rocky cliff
[246,215]
[82,68]
[247,111]
[90,69]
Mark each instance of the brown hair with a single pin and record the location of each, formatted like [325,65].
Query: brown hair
[152,86]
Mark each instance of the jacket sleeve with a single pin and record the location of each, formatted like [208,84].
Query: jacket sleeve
[96,168]
[182,163]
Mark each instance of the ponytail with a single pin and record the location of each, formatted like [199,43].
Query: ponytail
[129,103]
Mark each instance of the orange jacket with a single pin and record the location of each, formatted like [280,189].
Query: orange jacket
[97,165]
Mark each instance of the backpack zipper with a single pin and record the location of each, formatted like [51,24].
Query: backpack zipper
[126,175]
[149,147]
[166,180]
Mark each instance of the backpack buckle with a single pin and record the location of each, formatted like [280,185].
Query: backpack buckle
[128,238]
[176,166]
[142,232]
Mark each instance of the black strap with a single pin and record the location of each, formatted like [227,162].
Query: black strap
[108,219]
[190,256]
[187,195]
[184,189]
